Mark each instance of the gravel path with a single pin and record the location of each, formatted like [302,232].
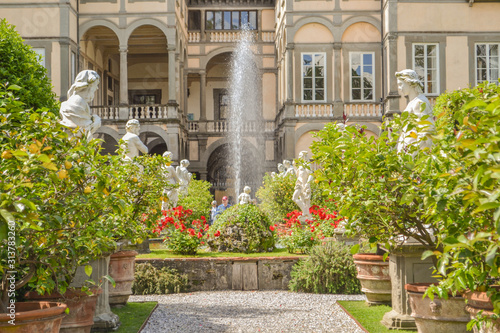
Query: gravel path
[247,311]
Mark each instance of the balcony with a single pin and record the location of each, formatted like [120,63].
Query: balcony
[227,36]
[363,110]
[150,111]
[222,126]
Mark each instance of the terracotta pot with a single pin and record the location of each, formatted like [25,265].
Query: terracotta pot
[479,301]
[81,308]
[373,273]
[438,315]
[31,317]
[121,269]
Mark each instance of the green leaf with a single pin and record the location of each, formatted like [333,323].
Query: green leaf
[66,311]
[385,255]
[355,249]
[373,239]
[4,229]
[490,257]
[475,103]
[50,166]
[486,206]
[426,254]
[110,279]
[43,158]
[7,216]
[14,87]
[88,270]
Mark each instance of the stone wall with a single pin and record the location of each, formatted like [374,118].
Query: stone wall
[206,274]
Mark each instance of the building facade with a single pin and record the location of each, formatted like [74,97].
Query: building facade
[167,62]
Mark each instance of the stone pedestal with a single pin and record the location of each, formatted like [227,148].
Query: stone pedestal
[104,319]
[405,266]
[339,236]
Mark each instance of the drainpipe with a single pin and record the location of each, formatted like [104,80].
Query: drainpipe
[383,58]
[78,69]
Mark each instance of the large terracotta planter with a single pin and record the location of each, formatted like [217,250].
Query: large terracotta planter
[81,308]
[31,317]
[121,269]
[438,315]
[373,273]
[479,301]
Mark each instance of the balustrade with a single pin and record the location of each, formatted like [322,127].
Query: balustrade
[356,110]
[313,110]
[106,112]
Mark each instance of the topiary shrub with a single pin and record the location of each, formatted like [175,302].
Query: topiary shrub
[275,195]
[152,281]
[20,67]
[329,269]
[241,228]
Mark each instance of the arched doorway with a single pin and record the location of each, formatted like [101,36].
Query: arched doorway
[221,171]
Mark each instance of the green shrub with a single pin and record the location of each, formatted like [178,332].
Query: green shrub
[198,199]
[276,197]
[152,281]
[241,228]
[20,67]
[329,269]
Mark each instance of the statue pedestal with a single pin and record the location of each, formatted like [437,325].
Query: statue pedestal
[104,319]
[405,266]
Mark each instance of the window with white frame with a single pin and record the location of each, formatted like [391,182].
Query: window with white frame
[426,64]
[41,52]
[313,77]
[362,76]
[487,62]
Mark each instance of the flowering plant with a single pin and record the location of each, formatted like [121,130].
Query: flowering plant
[183,235]
[300,234]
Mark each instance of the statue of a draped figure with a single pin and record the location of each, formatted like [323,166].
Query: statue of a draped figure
[170,192]
[75,112]
[302,194]
[410,85]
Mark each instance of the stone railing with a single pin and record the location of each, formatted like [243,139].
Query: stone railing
[194,37]
[313,110]
[366,110]
[152,111]
[222,126]
[105,111]
[267,36]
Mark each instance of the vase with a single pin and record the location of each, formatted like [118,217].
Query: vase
[121,269]
[478,301]
[33,317]
[438,315]
[373,273]
[81,308]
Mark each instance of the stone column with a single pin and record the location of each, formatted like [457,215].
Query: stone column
[185,91]
[123,82]
[65,69]
[405,266]
[392,99]
[203,96]
[338,105]
[289,73]
[171,74]
[104,319]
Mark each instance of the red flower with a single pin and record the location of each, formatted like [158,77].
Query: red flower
[200,235]
[312,238]
[217,233]
[272,227]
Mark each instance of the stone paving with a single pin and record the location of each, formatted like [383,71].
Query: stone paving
[249,311]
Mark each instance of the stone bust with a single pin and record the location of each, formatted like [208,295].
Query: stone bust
[132,144]
[410,85]
[75,112]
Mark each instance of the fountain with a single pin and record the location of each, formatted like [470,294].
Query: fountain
[245,112]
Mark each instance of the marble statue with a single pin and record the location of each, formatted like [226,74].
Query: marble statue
[132,144]
[281,170]
[244,198]
[302,194]
[289,170]
[170,193]
[184,177]
[410,85]
[75,112]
